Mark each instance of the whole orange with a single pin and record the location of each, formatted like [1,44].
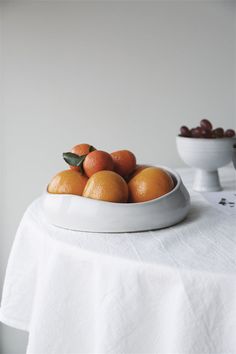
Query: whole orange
[97,161]
[124,162]
[108,186]
[67,182]
[150,183]
[137,169]
[80,149]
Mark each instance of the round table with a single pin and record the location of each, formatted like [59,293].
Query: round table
[163,291]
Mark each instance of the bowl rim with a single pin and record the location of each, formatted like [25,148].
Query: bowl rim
[188,138]
[130,205]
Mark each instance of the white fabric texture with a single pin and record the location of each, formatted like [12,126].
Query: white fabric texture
[168,291]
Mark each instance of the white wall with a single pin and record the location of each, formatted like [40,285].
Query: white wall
[114,74]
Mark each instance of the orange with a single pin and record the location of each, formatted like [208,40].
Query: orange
[137,169]
[150,183]
[97,161]
[80,149]
[67,182]
[124,162]
[108,186]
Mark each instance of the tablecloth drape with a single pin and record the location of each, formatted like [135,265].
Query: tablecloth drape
[166,291]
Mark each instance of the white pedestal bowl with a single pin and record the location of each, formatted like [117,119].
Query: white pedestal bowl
[84,214]
[206,156]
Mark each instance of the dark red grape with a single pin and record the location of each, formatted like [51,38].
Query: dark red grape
[206,133]
[196,132]
[184,131]
[206,124]
[229,133]
[218,132]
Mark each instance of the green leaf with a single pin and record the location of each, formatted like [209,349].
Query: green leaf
[91,148]
[73,159]
[82,169]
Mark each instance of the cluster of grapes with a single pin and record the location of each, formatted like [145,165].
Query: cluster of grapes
[205,130]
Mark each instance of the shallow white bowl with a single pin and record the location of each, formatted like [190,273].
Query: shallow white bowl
[206,156]
[84,214]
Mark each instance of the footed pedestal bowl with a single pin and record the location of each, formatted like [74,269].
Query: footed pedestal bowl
[206,156]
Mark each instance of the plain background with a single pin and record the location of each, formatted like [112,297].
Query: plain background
[114,74]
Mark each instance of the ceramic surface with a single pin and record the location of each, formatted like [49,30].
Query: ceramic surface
[84,214]
[234,155]
[206,156]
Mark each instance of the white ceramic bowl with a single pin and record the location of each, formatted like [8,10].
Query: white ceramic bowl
[84,214]
[234,155]
[206,155]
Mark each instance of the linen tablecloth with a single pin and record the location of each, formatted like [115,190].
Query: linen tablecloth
[164,291]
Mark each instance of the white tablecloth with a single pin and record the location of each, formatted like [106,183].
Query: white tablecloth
[166,291]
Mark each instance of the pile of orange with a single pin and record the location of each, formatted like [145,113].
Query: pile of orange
[113,177]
